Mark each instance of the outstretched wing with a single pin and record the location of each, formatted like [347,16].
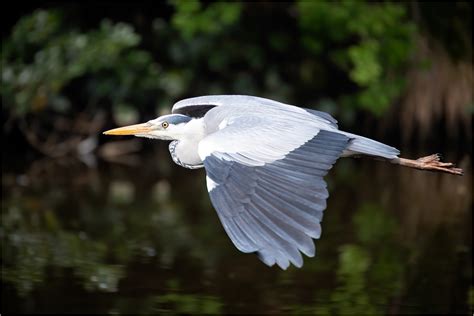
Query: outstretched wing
[267,186]
[198,106]
[325,116]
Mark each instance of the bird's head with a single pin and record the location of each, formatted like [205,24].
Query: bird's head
[166,127]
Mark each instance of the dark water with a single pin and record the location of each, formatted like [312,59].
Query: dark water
[140,236]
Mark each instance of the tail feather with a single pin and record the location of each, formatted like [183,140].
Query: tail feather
[367,146]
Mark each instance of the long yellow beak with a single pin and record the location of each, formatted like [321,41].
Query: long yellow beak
[130,130]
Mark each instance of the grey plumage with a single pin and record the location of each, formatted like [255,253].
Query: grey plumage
[367,146]
[276,209]
[324,115]
[265,162]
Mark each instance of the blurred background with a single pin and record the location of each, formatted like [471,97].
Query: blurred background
[95,224]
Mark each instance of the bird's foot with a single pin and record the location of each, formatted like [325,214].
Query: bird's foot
[431,163]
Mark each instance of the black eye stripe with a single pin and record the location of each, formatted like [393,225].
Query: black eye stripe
[197,111]
[178,119]
[171,119]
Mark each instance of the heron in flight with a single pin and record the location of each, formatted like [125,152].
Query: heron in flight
[265,162]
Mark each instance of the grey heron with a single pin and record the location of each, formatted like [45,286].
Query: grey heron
[265,162]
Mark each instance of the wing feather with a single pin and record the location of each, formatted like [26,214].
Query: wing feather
[267,205]
[265,162]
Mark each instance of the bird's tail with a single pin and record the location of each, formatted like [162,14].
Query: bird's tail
[359,145]
[366,146]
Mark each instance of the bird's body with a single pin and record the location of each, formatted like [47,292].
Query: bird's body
[271,121]
[265,162]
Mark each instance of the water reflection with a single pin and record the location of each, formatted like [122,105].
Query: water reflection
[144,239]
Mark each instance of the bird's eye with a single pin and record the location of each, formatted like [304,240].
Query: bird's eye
[164,124]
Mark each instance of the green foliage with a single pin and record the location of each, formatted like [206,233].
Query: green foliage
[370,41]
[192,19]
[208,49]
[42,58]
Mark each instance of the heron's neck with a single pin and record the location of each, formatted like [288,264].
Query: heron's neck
[192,131]
[184,150]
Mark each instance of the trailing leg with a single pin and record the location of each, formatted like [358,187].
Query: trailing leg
[430,163]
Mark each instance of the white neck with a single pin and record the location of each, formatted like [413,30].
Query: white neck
[193,130]
[188,137]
